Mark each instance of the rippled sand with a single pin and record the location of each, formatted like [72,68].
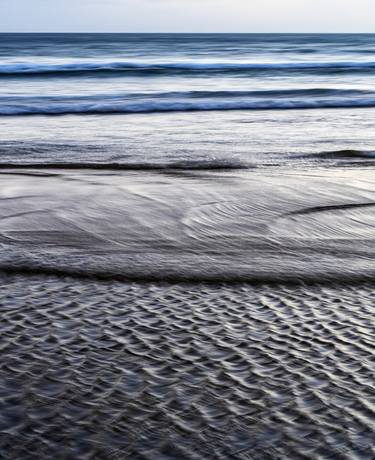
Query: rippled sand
[112,370]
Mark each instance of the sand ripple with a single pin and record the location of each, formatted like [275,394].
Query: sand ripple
[109,370]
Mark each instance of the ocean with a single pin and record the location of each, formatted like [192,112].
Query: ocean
[187,246]
[189,98]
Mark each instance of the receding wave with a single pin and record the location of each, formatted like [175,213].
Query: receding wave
[340,157]
[209,164]
[286,279]
[185,101]
[15,69]
[339,154]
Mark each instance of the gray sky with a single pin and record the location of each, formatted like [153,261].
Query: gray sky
[187,15]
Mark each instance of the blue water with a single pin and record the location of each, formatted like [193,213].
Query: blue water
[162,99]
[52,74]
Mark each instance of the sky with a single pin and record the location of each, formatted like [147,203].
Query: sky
[187,16]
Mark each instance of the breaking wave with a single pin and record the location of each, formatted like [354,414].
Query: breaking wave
[36,166]
[204,165]
[15,69]
[186,101]
[339,155]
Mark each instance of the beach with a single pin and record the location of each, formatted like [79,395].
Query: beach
[184,224]
[187,246]
[113,370]
[137,324]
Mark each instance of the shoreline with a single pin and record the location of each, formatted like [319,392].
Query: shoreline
[196,226]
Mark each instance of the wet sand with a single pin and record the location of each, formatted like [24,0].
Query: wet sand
[190,225]
[184,352]
[113,370]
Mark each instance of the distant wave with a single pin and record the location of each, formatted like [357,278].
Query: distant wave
[312,98]
[19,69]
[197,94]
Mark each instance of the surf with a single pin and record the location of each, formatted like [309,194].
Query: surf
[32,68]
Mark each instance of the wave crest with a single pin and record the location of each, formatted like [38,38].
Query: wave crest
[157,67]
[209,164]
[188,101]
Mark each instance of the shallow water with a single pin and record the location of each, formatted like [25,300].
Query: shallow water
[178,224]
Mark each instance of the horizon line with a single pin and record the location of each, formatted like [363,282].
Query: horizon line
[192,33]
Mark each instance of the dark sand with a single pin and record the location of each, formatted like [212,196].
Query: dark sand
[224,367]
[113,370]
